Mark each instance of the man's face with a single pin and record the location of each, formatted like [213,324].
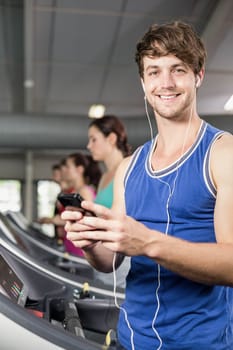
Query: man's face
[169,86]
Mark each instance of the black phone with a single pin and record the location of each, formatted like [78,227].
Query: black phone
[73,200]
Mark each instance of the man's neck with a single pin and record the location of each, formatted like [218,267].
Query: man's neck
[173,141]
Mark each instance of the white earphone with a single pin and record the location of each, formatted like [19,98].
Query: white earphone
[143,85]
[198,81]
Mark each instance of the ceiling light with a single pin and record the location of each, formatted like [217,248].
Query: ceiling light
[229,104]
[28,84]
[96,111]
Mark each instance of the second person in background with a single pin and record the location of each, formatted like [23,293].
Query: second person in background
[108,143]
[83,173]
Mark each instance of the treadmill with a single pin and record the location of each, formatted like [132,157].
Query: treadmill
[45,251]
[45,310]
[16,247]
[34,229]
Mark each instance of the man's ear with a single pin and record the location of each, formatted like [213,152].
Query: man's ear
[200,77]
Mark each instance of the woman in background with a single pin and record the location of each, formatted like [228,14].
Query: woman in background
[80,174]
[83,174]
[108,143]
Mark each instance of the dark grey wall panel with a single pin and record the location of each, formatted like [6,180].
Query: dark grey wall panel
[63,132]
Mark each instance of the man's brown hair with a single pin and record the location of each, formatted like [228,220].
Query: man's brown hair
[175,38]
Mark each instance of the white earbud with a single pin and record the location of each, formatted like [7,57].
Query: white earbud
[198,81]
[143,85]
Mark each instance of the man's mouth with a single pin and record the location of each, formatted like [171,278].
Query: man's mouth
[168,97]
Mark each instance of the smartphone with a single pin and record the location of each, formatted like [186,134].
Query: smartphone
[73,200]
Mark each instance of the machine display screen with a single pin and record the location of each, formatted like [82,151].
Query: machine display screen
[10,284]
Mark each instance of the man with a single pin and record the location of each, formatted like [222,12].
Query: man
[172,211]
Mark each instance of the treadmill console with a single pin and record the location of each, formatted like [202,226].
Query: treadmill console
[10,284]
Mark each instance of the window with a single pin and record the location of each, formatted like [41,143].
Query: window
[10,195]
[47,192]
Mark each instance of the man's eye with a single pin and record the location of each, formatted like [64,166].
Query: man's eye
[153,73]
[179,70]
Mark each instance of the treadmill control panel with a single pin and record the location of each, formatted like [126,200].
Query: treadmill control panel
[10,283]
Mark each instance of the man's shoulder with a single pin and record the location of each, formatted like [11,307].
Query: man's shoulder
[223,143]
[222,153]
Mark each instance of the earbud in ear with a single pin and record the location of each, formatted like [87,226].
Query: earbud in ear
[198,81]
[143,86]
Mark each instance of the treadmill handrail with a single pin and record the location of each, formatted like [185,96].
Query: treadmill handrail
[14,250]
[51,250]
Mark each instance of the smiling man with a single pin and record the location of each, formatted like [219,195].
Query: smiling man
[172,211]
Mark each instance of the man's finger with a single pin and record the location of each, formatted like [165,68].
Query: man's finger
[71,215]
[99,210]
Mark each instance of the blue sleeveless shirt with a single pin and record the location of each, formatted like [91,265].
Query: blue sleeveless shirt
[164,310]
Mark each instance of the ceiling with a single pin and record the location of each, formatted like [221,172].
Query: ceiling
[58,57]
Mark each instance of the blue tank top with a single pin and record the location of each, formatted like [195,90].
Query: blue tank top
[191,316]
